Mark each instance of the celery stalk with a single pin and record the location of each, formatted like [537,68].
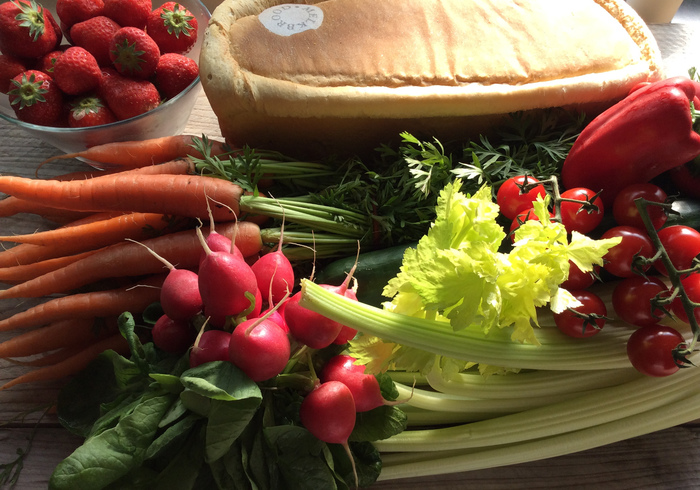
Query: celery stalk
[430,463]
[598,352]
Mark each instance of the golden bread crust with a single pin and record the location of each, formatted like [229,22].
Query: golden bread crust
[395,65]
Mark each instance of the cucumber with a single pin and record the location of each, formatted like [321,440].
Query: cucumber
[688,213]
[374,270]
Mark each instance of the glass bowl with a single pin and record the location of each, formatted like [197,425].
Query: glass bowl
[170,118]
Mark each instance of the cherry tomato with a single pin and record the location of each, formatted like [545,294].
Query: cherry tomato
[586,320]
[682,244]
[691,286]
[578,279]
[511,198]
[635,242]
[631,300]
[650,350]
[625,210]
[575,216]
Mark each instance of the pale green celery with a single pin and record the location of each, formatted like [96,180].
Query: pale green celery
[420,418]
[597,352]
[664,416]
[595,408]
[408,378]
[430,400]
[528,384]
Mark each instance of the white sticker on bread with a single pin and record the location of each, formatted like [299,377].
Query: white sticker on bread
[290,18]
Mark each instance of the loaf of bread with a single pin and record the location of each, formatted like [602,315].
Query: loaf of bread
[346,75]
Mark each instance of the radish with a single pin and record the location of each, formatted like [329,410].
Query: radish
[226,283]
[328,412]
[309,327]
[260,348]
[364,387]
[218,242]
[275,274]
[211,345]
[313,329]
[179,294]
[173,336]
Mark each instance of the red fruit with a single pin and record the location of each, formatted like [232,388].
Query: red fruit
[27,30]
[47,63]
[95,35]
[71,12]
[133,13]
[173,28]
[77,72]
[89,111]
[134,53]
[10,67]
[36,98]
[127,97]
[174,73]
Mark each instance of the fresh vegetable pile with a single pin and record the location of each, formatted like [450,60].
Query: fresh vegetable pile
[124,58]
[444,308]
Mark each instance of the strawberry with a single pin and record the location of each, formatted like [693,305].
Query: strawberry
[128,97]
[173,28]
[95,35]
[47,63]
[134,53]
[89,110]
[174,73]
[131,13]
[71,12]
[36,98]
[10,67]
[77,71]
[27,30]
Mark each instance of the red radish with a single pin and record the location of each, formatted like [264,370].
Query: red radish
[364,387]
[218,242]
[309,327]
[179,294]
[260,348]
[211,345]
[328,412]
[313,329]
[173,336]
[226,283]
[277,316]
[275,274]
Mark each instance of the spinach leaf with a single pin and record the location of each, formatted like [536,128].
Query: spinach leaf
[226,421]
[220,380]
[379,423]
[106,457]
[302,459]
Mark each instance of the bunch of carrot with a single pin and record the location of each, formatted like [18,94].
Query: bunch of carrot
[104,218]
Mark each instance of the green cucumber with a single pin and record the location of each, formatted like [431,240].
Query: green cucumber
[688,213]
[374,270]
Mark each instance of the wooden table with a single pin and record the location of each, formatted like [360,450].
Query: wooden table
[662,460]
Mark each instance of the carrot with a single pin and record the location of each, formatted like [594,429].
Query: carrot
[24,272]
[135,297]
[132,154]
[132,259]
[59,334]
[89,233]
[100,233]
[73,364]
[180,195]
[12,205]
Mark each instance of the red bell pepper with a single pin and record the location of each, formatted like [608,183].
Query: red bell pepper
[645,134]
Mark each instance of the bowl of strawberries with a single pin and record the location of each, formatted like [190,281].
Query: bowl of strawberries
[79,73]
